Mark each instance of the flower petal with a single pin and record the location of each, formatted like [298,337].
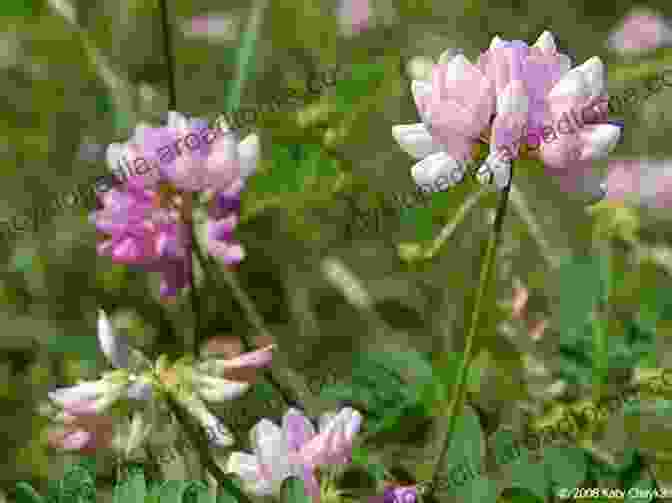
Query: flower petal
[437,172]
[113,346]
[415,140]
[248,154]
[297,428]
[247,468]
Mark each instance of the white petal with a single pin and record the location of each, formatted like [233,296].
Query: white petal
[573,83]
[246,467]
[325,421]
[458,67]
[546,42]
[248,153]
[141,129]
[225,390]
[500,168]
[602,139]
[421,89]
[353,424]
[271,449]
[114,154]
[593,72]
[114,347]
[140,390]
[447,55]
[109,398]
[88,390]
[415,140]
[496,42]
[437,172]
[513,99]
[176,120]
[65,9]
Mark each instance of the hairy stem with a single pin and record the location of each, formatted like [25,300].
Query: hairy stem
[460,388]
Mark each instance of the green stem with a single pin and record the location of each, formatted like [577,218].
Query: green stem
[201,445]
[460,388]
[252,315]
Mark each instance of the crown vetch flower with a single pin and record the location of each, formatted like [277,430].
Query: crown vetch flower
[645,182]
[295,450]
[569,156]
[82,430]
[513,92]
[147,219]
[142,385]
[641,31]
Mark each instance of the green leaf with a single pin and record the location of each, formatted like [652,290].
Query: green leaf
[19,8]
[197,492]
[78,485]
[580,289]
[566,467]
[173,491]
[363,79]
[514,460]
[85,346]
[465,448]
[293,491]
[26,494]
[136,487]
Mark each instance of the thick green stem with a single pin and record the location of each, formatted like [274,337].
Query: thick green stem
[460,388]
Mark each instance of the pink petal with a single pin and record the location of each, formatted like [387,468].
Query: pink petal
[298,429]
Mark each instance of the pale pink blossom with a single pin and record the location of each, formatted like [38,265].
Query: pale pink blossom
[82,430]
[295,449]
[644,182]
[213,27]
[642,30]
[354,16]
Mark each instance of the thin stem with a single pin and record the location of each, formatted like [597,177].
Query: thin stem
[460,389]
[252,315]
[194,296]
[201,445]
[168,51]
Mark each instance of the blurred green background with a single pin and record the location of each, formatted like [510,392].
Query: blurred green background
[67,91]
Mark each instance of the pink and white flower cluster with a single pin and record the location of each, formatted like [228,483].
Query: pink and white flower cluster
[511,91]
[87,424]
[295,449]
[641,31]
[147,219]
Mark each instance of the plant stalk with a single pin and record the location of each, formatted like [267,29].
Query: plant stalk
[460,388]
[203,449]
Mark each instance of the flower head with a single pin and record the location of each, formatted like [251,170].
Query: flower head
[146,220]
[142,386]
[82,430]
[640,181]
[513,94]
[642,30]
[295,449]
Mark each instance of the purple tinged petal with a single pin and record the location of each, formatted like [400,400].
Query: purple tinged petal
[76,440]
[298,429]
